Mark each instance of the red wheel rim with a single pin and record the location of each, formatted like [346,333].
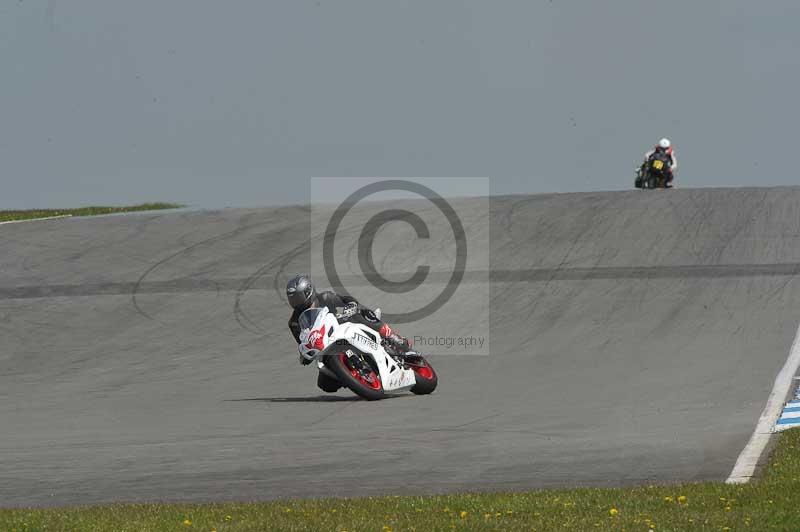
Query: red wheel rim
[424,371]
[371,380]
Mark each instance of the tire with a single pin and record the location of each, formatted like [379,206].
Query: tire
[327,384]
[355,380]
[427,380]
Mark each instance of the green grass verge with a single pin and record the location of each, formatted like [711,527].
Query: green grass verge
[770,503]
[8,216]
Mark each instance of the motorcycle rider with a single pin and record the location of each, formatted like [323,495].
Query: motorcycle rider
[664,147]
[302,295]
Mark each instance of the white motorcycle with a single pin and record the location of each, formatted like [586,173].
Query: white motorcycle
[351,355]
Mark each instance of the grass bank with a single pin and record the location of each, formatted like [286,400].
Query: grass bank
[32,214]
[770,503]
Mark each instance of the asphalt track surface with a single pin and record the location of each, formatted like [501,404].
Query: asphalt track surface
[635,337]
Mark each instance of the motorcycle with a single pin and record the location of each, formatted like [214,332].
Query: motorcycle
[652,174]
[351,355]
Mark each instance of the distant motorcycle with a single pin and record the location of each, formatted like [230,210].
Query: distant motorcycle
[654,173]
[351,355]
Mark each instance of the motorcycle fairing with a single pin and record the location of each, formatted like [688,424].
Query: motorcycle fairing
[348,336]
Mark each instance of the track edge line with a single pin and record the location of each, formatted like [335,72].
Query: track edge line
[36,219]
[747,462]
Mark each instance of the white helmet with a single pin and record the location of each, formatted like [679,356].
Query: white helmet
[664,143]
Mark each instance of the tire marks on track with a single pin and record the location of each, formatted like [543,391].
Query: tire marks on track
[537,275]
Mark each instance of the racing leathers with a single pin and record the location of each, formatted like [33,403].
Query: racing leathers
[346,308]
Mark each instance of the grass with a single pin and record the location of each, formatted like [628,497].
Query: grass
[8,216]
[769,503]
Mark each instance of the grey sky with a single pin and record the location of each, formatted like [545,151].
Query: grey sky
[239,103]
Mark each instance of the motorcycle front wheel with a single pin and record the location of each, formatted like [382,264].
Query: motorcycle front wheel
[357,374]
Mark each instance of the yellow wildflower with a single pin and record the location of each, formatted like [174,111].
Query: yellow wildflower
[463,514]
[613,512]
[187,522]
[682,499]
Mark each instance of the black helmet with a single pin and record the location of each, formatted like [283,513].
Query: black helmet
[300,292]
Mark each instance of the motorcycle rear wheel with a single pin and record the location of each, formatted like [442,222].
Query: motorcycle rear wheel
[427,380]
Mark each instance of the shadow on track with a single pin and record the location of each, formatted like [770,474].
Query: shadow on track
[314,399]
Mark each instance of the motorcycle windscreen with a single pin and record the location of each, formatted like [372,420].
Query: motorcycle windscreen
[309,317]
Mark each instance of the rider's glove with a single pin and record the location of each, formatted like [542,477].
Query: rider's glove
[370,315]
